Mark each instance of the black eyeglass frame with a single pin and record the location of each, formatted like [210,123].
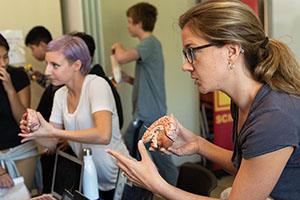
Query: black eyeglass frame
[189,53]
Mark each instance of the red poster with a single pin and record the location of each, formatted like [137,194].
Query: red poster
[253,4]
[222,121]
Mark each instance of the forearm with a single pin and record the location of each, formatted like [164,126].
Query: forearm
[216,154]
[91,136]
[17,108]
[170,192]
[123,55]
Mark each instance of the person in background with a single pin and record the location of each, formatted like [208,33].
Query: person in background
[225,48]
[98,70]
[148,97]
[37,39]
[16,159]
[84,111]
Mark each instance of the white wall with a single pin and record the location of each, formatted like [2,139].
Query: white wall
[23,15]
[284,22]
[72,15]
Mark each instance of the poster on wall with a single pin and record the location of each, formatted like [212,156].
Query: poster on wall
[222,120]
[16,46]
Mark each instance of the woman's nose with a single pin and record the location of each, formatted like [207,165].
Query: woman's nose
[2,62]
[48,70]
[186,66]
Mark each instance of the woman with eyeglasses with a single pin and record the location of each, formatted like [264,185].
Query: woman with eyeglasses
[226,49]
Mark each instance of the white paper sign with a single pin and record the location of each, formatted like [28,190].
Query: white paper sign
[16,46]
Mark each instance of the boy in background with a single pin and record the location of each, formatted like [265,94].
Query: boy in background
[148,98]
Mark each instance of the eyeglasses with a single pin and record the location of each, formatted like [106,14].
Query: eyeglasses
[189,53]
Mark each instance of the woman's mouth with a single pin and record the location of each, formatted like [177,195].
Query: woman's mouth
[196,80]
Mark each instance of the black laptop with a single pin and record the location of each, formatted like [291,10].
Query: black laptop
[67,177]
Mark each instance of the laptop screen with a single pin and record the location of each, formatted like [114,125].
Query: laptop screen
[67,174]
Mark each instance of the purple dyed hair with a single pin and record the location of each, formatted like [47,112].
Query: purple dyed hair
[73,48]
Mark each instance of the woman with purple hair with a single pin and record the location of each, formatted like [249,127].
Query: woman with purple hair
[84,110]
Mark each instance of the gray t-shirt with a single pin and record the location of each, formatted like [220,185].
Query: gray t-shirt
[273,123]
[149,98]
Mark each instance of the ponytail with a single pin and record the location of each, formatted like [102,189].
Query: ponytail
[278,68]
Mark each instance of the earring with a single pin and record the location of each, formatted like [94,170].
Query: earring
[230,65]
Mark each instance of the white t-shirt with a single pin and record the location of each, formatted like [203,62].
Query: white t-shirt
[96,95]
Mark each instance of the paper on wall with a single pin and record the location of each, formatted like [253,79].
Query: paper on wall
[16,46]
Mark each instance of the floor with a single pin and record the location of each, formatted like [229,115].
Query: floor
[223,183]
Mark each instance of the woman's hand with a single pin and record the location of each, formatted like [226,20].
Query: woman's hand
[182,147]
[24,124]
[142,173]
[6,81]
[45,130]
[186,143]
[5,180]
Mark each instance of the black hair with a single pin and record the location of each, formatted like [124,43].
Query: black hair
[38,34]
[89,41]
[3,42]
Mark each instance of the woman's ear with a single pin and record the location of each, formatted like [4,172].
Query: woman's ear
[77,65]
[234,51]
